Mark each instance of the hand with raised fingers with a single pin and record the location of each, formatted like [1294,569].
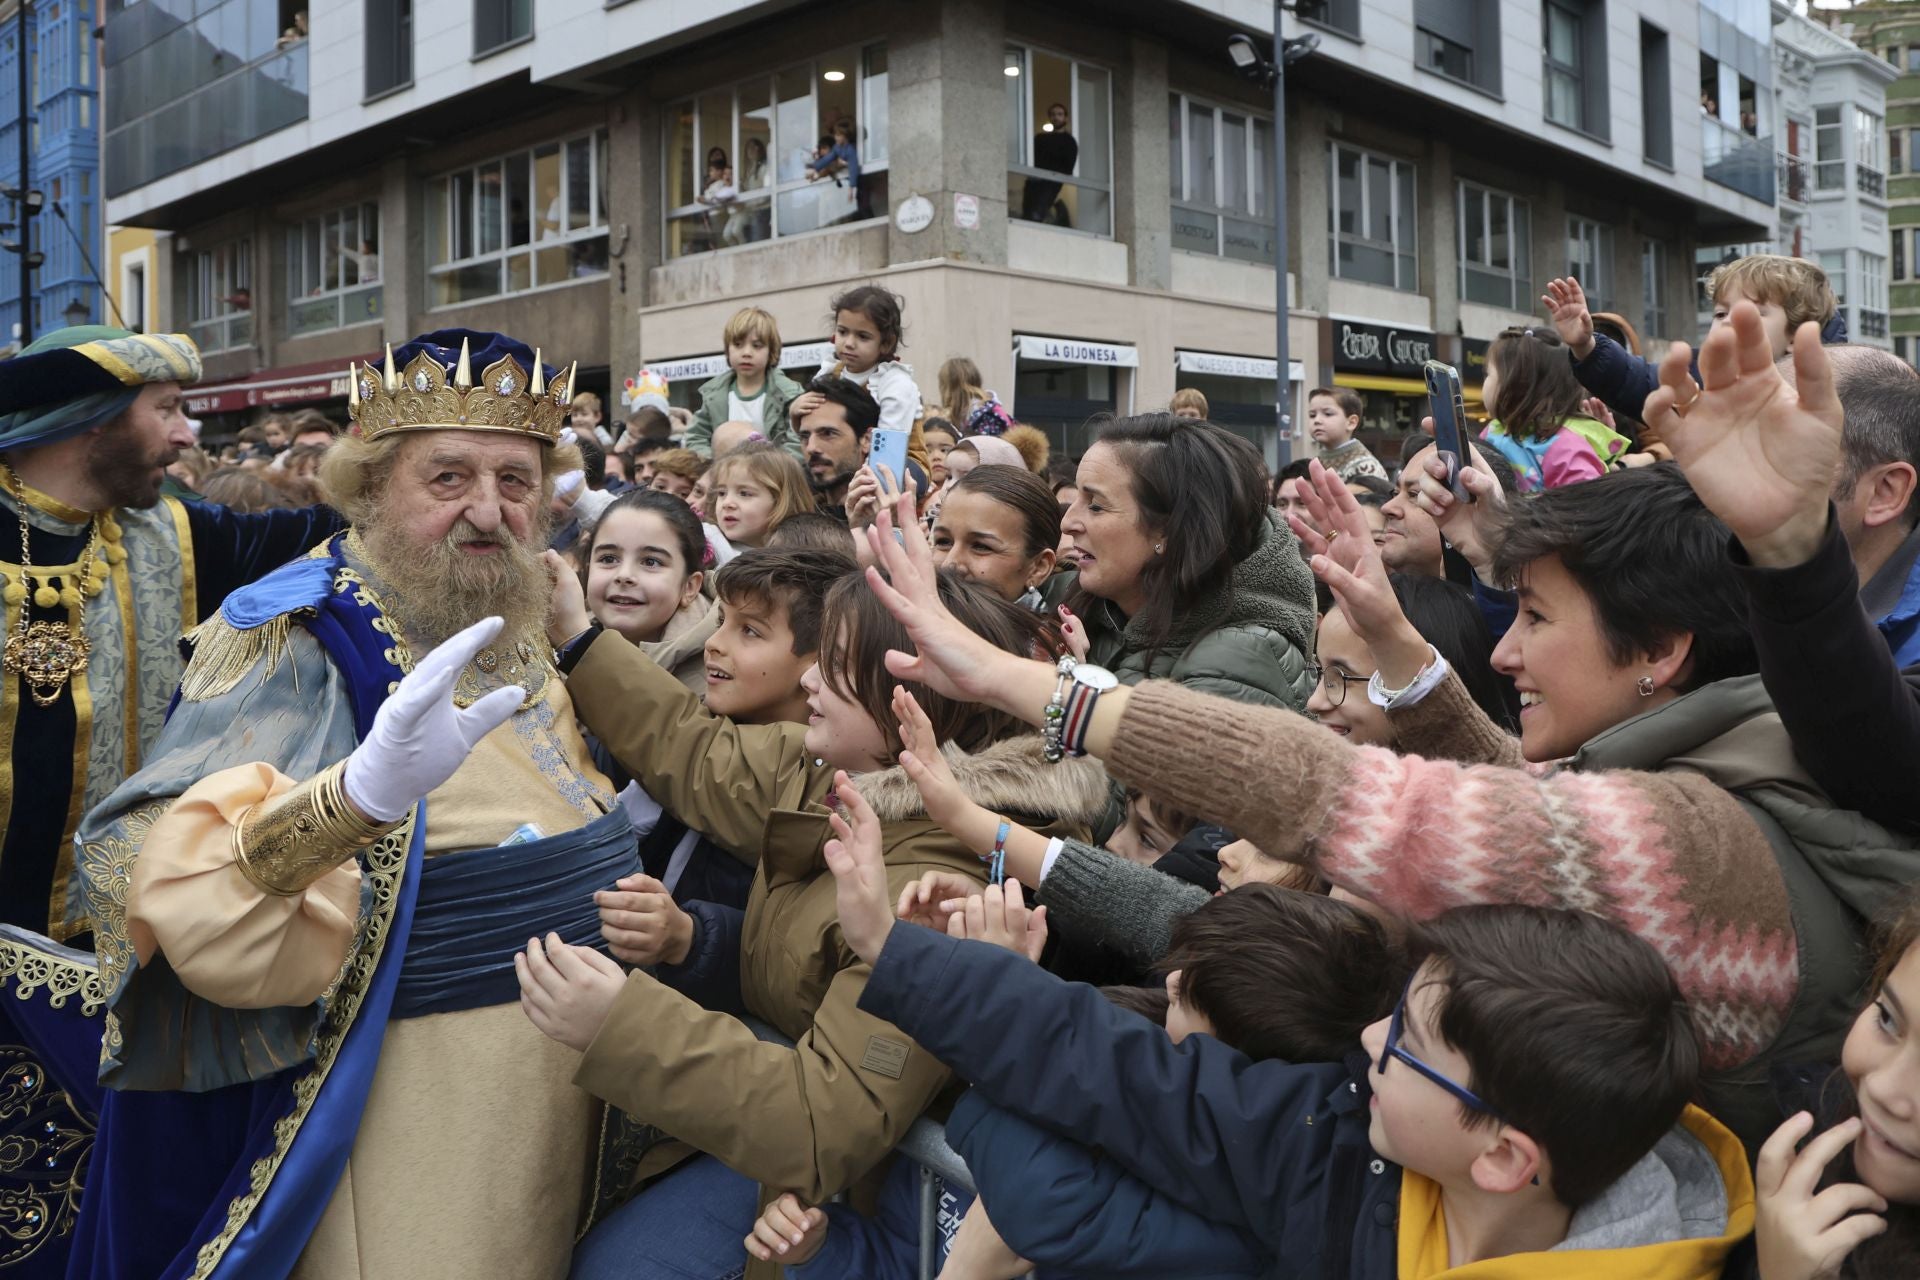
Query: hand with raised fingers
[933,898]
[1761,452]
[924,764]
[420,736]
[1470,527]
[998,915]
[1074,632]
[567,616]
[1597,409]
[567,991]
[1353,570]
[788,1232]
[863,499]
[1801,1232]
[859,872]
[1334,510]
[1566,305]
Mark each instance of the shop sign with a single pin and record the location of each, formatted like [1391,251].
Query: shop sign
[1378,348]
[1076,351]
[701,367]
[1473,360]
[807,355]
[1235,366]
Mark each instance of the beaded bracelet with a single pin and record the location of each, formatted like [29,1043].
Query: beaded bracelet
[997,869]
[1055,716]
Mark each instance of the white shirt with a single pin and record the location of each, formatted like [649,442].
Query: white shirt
[893,388]
[748,409]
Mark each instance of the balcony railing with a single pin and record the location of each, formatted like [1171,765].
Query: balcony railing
[1871,182]
[1794,174]
[1873,324]
[1737,160]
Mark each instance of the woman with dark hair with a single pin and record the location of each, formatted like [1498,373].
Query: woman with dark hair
[1652,782]
[999,526]
[1185,573]
[1538,408]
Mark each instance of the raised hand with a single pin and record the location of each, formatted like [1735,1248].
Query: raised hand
[1333,509]
[1597,409]
[924,764]
[419,737]
[859,872]
[642,924]
[1801,1232]
[1074,632]
[1350,565]
[1761,453]
[1566,305]
[998,916]
[863,498]
[1470,527]
[567,617]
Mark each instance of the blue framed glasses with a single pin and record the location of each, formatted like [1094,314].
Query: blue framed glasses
[1396,1026]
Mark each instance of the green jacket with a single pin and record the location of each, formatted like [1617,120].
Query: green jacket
[781,391]
[1250,644]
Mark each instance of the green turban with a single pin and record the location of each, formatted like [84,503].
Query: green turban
[74,379]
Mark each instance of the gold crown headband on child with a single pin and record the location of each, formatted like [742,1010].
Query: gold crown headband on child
[422,398]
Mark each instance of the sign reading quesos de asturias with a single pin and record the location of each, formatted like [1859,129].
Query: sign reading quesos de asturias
[1376,348]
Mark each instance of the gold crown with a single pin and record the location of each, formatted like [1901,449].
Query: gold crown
[422,398]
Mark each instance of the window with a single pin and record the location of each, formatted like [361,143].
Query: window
[1869,153]
[1653,285]
[1496,239]
[1892,54]
[497,23]
[1913,58]
[1590,260]
[1339,15]
[1829,158]
[1899,253]
[1873,295]
[1656,96]
[135,290]
[1459,39]
[1894,137]
[1222,176]
[1565,92]
[763,133]
[1834,263]
[524,221]
[333,269]
[1059,141]
[1371,217]
[220,296]
[389,45]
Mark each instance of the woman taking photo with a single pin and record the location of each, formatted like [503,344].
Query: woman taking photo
[1185,574]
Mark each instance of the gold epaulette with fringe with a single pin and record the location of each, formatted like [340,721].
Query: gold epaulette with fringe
[223,654]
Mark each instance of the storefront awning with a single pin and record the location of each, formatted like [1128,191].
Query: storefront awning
[803,355]
[292,385]
[1074,351]
[1225,366]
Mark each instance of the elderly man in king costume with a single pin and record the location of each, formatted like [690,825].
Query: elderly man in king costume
[371,794]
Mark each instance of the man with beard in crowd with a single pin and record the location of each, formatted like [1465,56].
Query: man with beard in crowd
[834,438]
[371,793]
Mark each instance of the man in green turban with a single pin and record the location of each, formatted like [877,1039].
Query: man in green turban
[103,576]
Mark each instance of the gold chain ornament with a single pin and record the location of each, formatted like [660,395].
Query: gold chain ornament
[46,655]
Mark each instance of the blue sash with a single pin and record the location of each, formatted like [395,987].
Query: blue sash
[477,908]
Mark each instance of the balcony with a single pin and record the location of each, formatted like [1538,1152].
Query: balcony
[1871,182]
[1794,175]
[1873,324]
[1737,160]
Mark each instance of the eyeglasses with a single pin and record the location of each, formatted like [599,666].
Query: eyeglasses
[1395,1027]
[1333,682]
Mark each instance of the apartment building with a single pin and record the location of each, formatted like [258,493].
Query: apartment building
[1890,32]
[1077,195]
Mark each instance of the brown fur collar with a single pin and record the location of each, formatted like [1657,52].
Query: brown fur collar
[1009,777]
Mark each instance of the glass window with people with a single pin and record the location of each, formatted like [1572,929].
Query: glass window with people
[333,269]
[530,220]
[1059,140]
[779,155]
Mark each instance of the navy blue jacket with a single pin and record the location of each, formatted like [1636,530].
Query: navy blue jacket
[1276,1150]
[1625,380]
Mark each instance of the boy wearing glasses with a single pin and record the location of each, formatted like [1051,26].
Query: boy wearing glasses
[1525,1102]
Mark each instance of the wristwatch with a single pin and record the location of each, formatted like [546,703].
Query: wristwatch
[1071,712]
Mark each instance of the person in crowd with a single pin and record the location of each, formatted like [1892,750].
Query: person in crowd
[1286,500]
[961,389]
[998,526]
[618,481]
[677,471]
[1527,1099]
[311,427]
[970,452]
[812,531]
[816,1118]
[1363,487]
[1537,421]
[275,432]
[1846,1205]
[243,491]
[702,490]
[729,436]
[868,332]
[191,466]
[1188,402]
[647,398]
[1062,476]
[840,160]
[1218,976]
[1056,150]
[939,435]
[644,567]
[1634,667]
[642,454]
[1373,507]
[753,390]
[770,604]
[302,462]
[584,416]
[1412,542]
[1788,292]
[291,888]
[1333,418]
[1773,461]
[754,490]
[835,437]
[1184,573]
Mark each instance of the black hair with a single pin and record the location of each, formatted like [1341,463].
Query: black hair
[689,537]
[1649,556]
[1537,390]
[1446,616]
[1026,494]
[795,582]
[863,411]
[881,306]
[1374,487]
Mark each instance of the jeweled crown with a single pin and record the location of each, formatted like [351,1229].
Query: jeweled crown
[427,396]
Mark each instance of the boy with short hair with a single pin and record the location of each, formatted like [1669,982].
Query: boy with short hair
[751,390]
[1525,1101]
[1333,415]
[769,634]
[1788,291]
[677,471]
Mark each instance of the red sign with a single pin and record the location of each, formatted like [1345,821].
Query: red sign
[271,388]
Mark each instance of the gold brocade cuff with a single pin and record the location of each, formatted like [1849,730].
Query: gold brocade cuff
[308,832]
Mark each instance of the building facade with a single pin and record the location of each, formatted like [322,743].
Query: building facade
[1891,33]
[1077,195]
[63,141]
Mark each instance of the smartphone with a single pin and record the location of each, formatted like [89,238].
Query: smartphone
[888,449]
[1449,424]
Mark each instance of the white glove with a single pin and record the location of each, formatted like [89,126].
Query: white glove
[420,738]
[568,483]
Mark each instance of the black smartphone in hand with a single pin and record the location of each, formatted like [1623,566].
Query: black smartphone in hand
[1450,436]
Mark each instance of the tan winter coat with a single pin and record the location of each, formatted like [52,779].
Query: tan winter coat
[814,1118]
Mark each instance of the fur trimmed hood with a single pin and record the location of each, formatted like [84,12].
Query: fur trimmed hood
[1010,777]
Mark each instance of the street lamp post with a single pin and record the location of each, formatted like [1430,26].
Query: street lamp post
[1273,74]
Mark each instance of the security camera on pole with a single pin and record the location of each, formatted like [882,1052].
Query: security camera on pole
[1246,57]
